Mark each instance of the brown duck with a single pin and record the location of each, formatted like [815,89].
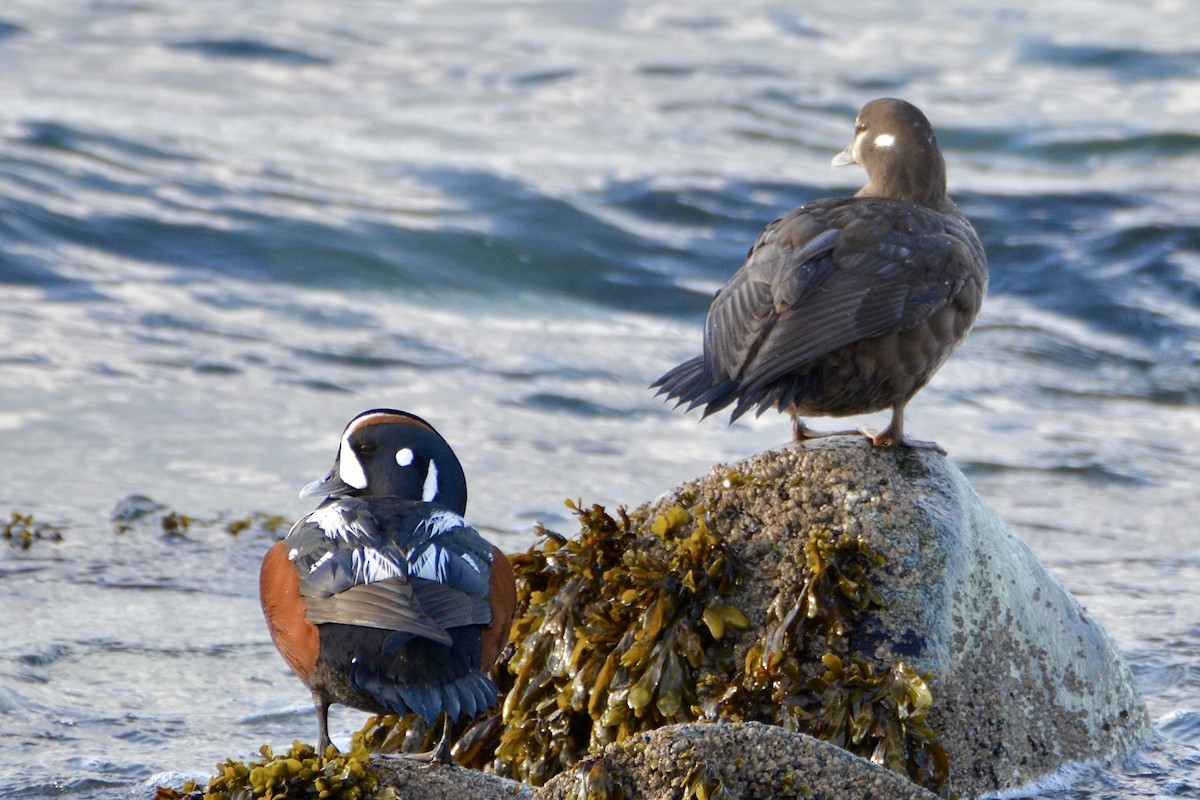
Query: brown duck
[847,305]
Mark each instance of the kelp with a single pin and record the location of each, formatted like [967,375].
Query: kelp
[300,774]
[805,663]
[140,512]
[634,625]
[610,636]
[22,530]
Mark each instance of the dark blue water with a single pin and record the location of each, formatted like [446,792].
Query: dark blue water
[224,231]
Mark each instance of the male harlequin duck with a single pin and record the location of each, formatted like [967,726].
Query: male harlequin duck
[847,305]
[384,598]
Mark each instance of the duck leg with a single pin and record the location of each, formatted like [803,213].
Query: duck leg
[893,434]
[801,432]
[322,706]
[440,752]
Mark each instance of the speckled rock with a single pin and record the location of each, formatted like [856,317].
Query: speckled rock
[749,761]
[414,780]
[1023,679]
[1017,678]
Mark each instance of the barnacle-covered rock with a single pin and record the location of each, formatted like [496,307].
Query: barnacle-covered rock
[748,761]
[862,596]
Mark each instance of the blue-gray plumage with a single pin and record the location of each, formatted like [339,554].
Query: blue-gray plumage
[384,598]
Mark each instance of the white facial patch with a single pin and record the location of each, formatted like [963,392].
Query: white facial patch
[404,457]
[430,489]
[885,140]
[349,468]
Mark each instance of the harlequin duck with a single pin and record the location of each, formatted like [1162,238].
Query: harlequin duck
[847,305]
[384,598]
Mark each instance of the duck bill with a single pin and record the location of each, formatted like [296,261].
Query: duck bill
[329,486]
[844,158]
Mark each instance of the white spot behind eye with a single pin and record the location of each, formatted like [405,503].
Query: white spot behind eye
[349,468]
[430,489]
[885,140]
[404,457]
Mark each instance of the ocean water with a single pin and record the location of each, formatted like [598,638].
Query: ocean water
[226,228]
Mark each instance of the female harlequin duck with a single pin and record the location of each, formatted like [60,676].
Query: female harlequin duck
[384,598]
[847,305]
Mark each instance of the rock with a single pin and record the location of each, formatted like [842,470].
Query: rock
[1023,679]
[865,596]
[414,780]
[171,781]
[749,761]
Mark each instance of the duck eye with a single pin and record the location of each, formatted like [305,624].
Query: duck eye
[860,127]
[364,448]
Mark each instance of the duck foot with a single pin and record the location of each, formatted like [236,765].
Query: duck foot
[886,439]
[439,754]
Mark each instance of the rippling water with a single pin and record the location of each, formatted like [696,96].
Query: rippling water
[226,230]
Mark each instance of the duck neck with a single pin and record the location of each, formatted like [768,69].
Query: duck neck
[921,181]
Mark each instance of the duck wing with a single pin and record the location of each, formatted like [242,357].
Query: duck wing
[393,565]
[831,273]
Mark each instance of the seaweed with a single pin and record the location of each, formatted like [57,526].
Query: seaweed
[300,774]
[610,635]
[22,531]
[634,625]
[593,781]
[611,628]
[699,784]
[805,663]
[275,524]
[175,525]
[137,511]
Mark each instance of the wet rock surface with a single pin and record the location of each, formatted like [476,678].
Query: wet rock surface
[1022,678]
[414,780]
[751,761]
[865,596]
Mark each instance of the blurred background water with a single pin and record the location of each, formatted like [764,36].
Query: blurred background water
[226,228]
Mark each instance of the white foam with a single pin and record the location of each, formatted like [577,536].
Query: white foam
[1061,779]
